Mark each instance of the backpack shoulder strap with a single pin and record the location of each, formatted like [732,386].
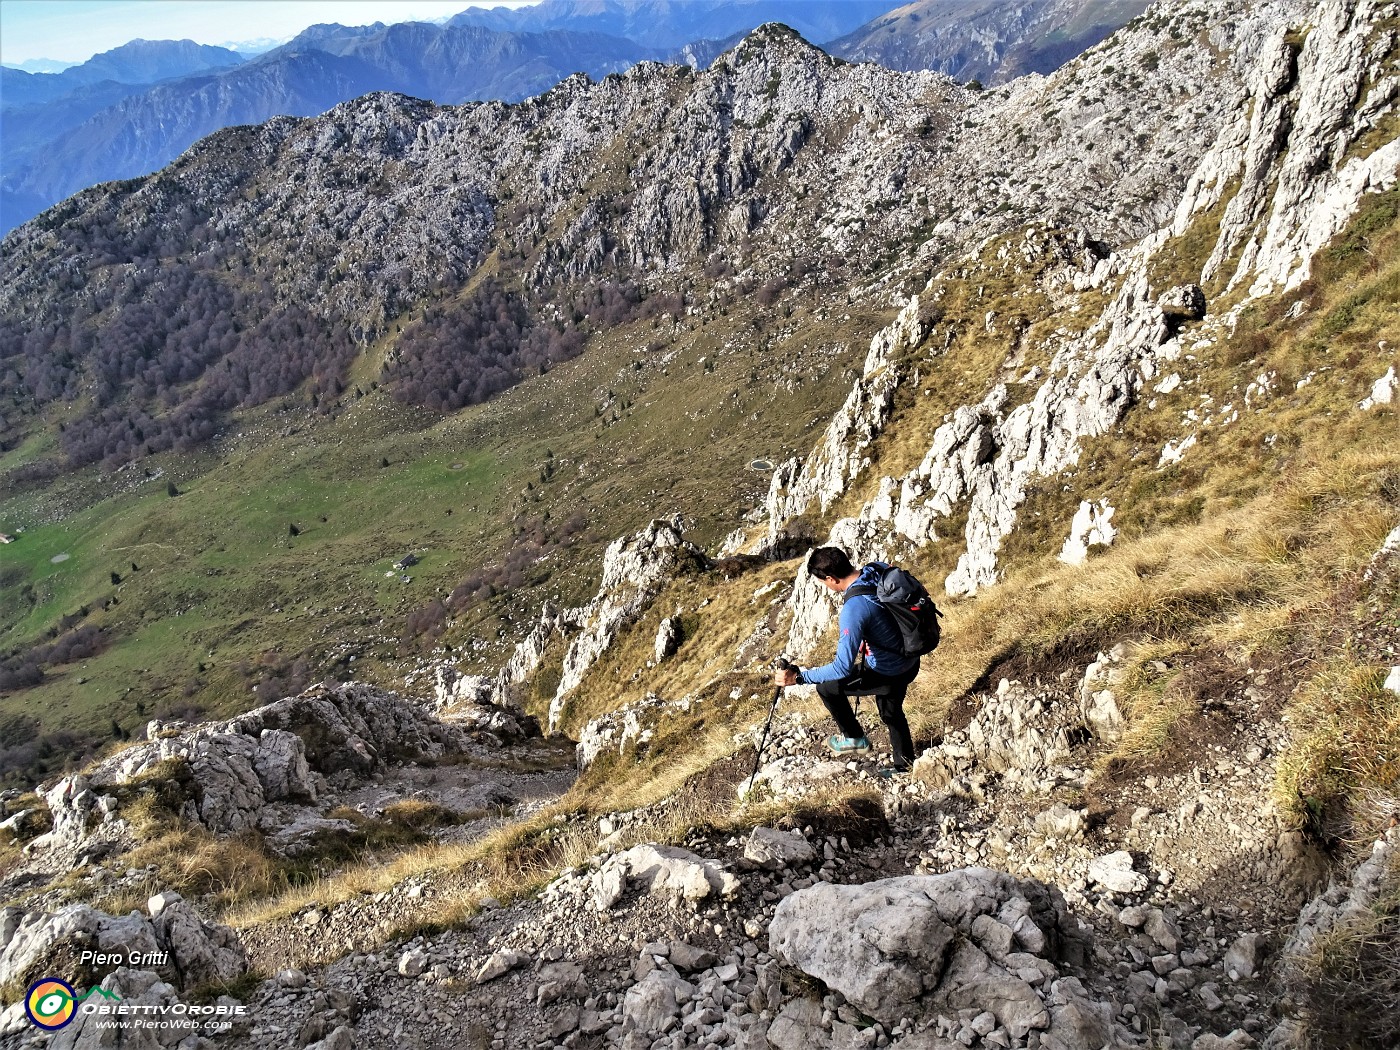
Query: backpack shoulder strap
[859,590]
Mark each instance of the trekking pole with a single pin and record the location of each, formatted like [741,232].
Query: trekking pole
[782,664]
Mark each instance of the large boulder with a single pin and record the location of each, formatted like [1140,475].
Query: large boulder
[200,952]
[898,946]
[653,1004]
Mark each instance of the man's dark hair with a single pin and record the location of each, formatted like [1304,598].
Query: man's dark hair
[830,561]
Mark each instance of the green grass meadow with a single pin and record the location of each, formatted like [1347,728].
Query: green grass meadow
[224,593]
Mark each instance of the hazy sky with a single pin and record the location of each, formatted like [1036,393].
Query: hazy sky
[75,30]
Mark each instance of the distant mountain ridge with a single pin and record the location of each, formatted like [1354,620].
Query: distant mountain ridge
[122,133]
[40,65]
[135,62]
[465,63]
[667,25]
[991,41]
[134,109]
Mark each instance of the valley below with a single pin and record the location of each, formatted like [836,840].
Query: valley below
[408,505]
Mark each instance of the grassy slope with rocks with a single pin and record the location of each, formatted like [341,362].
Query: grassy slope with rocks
[1248,625]
[1242,592]
[787,245]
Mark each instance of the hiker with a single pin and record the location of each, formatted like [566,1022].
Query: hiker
[869,661]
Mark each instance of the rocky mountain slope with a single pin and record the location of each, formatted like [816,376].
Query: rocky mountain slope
[110,118]
[402,244]
[1145,450]
[61,148]
[109,131]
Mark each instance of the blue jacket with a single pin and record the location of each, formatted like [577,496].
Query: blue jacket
[863,622]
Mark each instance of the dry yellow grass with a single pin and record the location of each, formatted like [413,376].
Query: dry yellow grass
[377,876]
[1342,773]
[1239,581]
[196,863]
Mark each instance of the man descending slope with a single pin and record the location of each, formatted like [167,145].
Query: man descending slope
[870,658]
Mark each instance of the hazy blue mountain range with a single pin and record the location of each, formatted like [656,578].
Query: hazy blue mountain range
[987,40]
[666,24]
[41,65]
[135,62]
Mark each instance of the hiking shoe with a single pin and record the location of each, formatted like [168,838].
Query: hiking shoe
[844,745]
[893,772]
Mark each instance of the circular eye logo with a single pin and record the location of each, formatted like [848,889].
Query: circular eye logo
[49,1003]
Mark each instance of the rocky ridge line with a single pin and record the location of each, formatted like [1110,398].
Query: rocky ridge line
[1290,149]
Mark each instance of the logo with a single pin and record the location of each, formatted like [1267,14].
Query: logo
[50,1003]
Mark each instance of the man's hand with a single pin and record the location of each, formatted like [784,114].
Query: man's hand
[785,676]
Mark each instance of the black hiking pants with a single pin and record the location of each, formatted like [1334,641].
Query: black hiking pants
[889,701]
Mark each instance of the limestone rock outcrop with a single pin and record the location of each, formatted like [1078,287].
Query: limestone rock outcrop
[632,725]
[196,952]
[491,693]
[1289,159]
[1346,900]
[1290,148]
[254,771]
[841,456]
[634,570]
[972,939]
[1092,527]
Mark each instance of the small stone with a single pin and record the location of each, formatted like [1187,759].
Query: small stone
[1114,871]
[686,957]
[1133,917]
[1163,930]
[1243,958]
[984,1023]
[500,964]
[160,901]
